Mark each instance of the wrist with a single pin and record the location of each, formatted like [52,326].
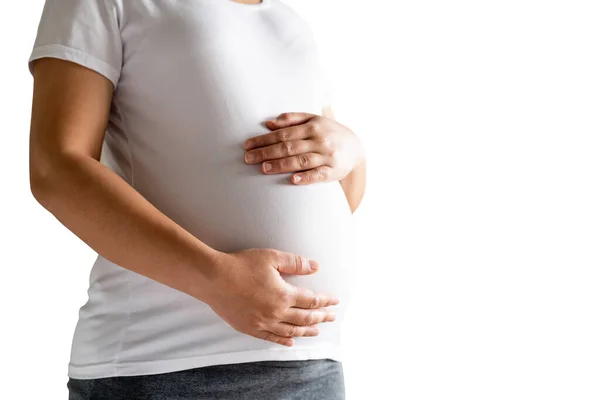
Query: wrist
[360,153]
[207,264]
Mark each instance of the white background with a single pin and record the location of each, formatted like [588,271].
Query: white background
[480,229]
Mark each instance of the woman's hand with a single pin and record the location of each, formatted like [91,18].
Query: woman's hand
[317,148]
[251,296]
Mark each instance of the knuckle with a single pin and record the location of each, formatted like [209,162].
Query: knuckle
[304,160]
[327,145]
[262,154]
[286,297]
[315,302]
[272,313]
[256,324]
[269,336]
[299,262]
[322,173]
[309,319]
[316,127]
[290,331]
[288,148]
[286,116]
[282,136]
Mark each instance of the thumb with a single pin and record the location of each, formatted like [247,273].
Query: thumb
[288,119]
[297,265]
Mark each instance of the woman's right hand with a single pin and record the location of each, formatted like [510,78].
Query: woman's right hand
[250,295]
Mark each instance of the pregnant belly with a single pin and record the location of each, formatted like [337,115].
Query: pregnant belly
[231,206]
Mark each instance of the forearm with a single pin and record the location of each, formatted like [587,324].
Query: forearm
[121,225]
[354,185]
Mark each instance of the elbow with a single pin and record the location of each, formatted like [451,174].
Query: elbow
[40,183]
[52,176]
[45,175]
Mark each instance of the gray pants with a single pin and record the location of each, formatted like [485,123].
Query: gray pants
[263,380]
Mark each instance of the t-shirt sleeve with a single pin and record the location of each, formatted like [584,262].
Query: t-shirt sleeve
[85,32]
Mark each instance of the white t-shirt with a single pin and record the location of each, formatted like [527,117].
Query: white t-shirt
[193,80]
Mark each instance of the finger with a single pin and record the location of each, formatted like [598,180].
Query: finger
[302,317]
[305,298]
[319,174]
[279,150]
[297,265]
[289,119]
[289,330]
[301,162]
[272,337]
[296,132]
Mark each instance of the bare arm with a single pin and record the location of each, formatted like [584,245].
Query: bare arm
[354,184]
[69,116]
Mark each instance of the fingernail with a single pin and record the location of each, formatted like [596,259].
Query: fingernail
[296,179]
[250,157]
[267,166]
[247,144]
[313,265]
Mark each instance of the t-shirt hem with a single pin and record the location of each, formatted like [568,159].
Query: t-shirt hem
[334,352]
[77,56]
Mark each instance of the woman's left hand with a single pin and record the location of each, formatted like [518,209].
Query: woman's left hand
[317,148]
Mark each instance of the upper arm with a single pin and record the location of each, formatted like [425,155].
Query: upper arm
[76,64]
[69,115]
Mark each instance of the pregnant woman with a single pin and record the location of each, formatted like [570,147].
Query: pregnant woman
[192,145]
